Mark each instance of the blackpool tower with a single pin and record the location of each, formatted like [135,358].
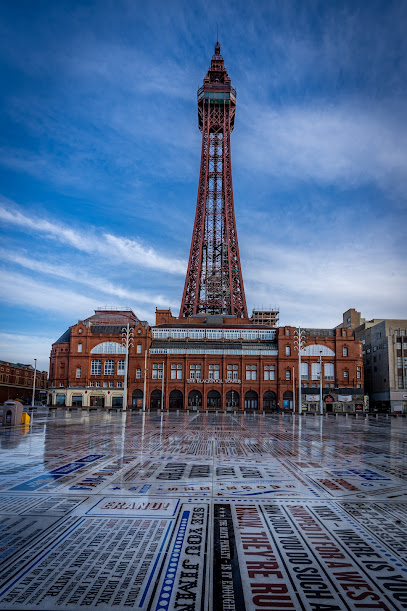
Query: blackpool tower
[214,282]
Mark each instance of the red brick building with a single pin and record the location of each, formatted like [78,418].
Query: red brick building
[16,382]
[204,362]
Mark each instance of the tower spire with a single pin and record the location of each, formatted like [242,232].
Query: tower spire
[214,282]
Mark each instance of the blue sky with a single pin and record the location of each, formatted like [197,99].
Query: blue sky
[100,153]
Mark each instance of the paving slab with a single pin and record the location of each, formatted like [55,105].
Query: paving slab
[203,511]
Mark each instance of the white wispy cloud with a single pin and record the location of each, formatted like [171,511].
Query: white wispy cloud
[117,249]
[350,145]
[24,291]
[314,289]
[100,284]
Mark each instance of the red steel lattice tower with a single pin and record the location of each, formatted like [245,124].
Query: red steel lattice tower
[214,282]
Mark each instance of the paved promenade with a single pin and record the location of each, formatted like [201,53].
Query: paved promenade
[203,511]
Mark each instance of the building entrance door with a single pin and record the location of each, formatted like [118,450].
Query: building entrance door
[176,400]
[213,400]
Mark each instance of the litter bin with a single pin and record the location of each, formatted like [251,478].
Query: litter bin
[12,413]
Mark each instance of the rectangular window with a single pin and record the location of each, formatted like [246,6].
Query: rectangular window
[233,372]
[158,371]
[105,384]
[121,368]
[98,384]
[287,350]
[109,367]
[138,373]
[96,368]
[78,372]
[400,381]
[287,374]
[269,372]
[79,347]
[346,373]
[214,372]
[176,372]
[329,369]
[195,372]
[111,384]
[251,372]
[119,384]
[304,371]
[138,348]
[315,371]
[344,351]
[358,372]
[92,383]
[344,332]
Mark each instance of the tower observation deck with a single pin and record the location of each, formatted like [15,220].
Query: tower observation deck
[214,282]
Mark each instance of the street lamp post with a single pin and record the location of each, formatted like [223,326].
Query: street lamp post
[35,373]
[162,390]
[321,409]
[127,341]
[145,381]
[299,344]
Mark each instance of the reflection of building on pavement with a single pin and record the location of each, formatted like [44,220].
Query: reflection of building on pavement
[213,356]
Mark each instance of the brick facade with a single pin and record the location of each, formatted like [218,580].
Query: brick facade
[16,382]
[208,362]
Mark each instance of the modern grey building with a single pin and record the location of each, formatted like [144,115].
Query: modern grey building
[385,362]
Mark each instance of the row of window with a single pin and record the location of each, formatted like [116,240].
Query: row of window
[267,334]
[216,351]
[195,371]
[99,384]
[109,365]
[214,371]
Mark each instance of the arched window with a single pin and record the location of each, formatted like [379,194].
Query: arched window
[108,348]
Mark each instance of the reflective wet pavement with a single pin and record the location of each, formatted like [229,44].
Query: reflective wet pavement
[203,511]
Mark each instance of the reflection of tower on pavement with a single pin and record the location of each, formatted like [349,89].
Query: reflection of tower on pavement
[214,282]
